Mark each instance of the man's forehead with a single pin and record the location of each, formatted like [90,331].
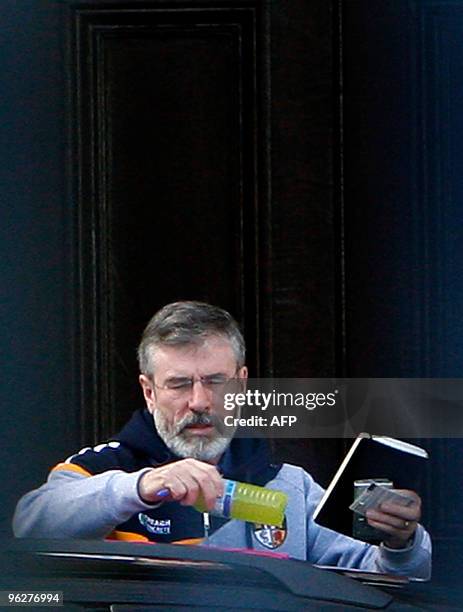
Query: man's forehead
[210,352]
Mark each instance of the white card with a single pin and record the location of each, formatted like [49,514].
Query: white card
[375,495]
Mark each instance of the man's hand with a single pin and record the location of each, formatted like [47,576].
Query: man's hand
[187,480]
[399,522]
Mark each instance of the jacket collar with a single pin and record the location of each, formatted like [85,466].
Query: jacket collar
[245,459]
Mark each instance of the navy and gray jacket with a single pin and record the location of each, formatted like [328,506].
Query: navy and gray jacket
[94,494]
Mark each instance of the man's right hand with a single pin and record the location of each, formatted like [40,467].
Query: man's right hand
[187,480]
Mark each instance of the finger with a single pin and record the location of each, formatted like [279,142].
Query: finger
[207,488]
[207,485]
[192,489]
[409,493]
[402,535]
[208,477]
[151,487]
[389,519]
[176,486]
[212,474]
[407,498]
[401,512]
[162,495]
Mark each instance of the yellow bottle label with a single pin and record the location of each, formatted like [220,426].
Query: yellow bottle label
[250,503]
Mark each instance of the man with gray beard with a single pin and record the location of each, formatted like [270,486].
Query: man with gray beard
[143,483]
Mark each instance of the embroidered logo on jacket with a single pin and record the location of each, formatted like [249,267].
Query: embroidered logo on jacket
[158,526]
[270,536]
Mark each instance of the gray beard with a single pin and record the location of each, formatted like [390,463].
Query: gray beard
[202,448]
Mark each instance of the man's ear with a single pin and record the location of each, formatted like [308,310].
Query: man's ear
[148,392]
[242,376]
[243,372]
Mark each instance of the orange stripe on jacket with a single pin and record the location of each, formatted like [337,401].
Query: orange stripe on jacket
[127,536]
[71,467]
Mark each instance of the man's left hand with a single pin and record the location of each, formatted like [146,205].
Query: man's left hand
[399,522]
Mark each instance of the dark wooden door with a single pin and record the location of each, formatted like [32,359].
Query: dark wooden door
[159,151]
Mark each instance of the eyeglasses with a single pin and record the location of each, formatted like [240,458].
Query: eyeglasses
[180,386]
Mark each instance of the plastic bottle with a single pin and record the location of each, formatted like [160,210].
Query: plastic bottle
[248,502]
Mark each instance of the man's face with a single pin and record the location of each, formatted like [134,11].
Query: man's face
[185,396]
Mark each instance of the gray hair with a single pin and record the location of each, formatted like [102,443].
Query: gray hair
[186,323]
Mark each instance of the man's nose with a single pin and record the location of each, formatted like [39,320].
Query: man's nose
[199,399]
